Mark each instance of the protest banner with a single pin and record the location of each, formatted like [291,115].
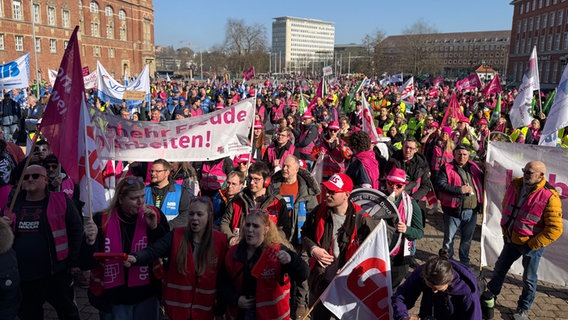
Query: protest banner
[15,74]
[208,137]
[110,90]
[504,162]
[469,83]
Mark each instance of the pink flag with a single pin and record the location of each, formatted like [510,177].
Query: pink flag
[86,71]
[64,125]
[453,110]
[368,123]
[319,93]
[362,289]
[433,92]
[248,74]
[493,87]
[438,81]
[469,83]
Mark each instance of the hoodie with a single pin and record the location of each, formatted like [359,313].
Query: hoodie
[460,301]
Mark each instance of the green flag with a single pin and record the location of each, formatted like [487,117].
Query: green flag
[496,112]
[548,103]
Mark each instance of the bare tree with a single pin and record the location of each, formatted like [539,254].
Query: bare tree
[241,39]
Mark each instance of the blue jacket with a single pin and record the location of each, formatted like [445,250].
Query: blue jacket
[459,301]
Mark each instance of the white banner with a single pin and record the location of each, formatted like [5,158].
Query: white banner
[505,161]
[89,80]
[520,113]
[110,90]
[208,137]
[558,116]
[362,289]
[327,71]
[15,74]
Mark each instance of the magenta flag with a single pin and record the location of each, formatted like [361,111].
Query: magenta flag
[248,74]
[438,81]
[319,93]
[493,87]
[66,126]
[469,83]
[453,110]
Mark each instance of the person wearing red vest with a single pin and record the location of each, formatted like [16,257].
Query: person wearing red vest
[460,190]
[307,135]
[532,220]
[258,271]
[331,235]
[279,150]
[48,235]
[197,254]
[212,175]
[128,225]
[334,151]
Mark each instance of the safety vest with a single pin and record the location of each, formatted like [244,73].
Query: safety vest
[192,296]
[307,150]
[195,112]
[237,206]
[56,212]
[454,179]
[272,153]
[272,288]
[333,160]
[528,221]
[212,177]
[170,204]
[277,113]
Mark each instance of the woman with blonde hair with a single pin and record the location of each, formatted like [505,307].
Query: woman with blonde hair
[196,253]
[128,225]
[259,269]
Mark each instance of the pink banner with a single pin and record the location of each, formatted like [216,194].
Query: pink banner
[469,83]
[248,74]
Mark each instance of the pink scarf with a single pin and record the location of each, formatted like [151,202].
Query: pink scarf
[113,269]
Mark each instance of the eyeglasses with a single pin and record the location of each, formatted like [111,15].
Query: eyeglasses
[34,176]
[152,171]
[257,180]
[397,185]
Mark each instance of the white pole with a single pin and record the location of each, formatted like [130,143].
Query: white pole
[35,49]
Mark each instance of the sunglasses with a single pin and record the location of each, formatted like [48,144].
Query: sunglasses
[34,176]
[397,185]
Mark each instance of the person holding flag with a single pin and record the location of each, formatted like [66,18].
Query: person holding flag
[331,235]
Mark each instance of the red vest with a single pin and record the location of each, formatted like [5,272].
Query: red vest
[333,160]
[528,221]
[191,296]
[310,147]
[454,179]
[213,177]
[56,211]
[272,296]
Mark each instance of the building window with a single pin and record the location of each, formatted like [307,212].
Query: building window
[565,40]
[94,7]
[97,51]
[122,15]
[36,13]
[560,17]
[108,11]
[557,41]
[552,19]
[65,44]
[52,46]
[537,23]
[123,33]
[17,13]
[51,16]
[111,52]
[95,32]
[65,18]
[110,31]
[19,43]
[38,44]
[549,43]
[1,41]
[1,9]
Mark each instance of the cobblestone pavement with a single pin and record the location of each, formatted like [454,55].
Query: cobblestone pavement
[551,300]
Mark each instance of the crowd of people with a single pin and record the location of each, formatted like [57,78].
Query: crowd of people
[257,236]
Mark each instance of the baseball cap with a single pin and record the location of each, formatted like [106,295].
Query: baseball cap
[339,182]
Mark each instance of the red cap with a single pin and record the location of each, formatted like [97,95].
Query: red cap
[307,115]
[434,124]
[464,119]
[334,125]
[339,182]
[330,98]
[257,124]
[482,121]
[242,158]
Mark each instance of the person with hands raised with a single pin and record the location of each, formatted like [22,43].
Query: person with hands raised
[258,271]
[128,225]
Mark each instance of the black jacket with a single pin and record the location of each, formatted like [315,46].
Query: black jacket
[416,168]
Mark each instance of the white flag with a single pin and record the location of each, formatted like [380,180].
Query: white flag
[558,115]
[368,123]
[407,89]
[15,74]
[520,112]
[362,289]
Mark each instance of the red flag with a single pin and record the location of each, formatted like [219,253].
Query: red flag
[493,87]
[433,92]
[453,110]
[438,81]
[66,126]
[319,93]
[248,74]
[86,71]
[469,83]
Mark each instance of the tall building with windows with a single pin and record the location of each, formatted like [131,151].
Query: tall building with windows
[301,45]
[544,24]
[119,34]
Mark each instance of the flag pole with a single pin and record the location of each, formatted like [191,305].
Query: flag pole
[318,301]
[21,179]
[87,165]
[251,132]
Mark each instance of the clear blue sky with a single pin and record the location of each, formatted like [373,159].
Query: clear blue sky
[201,24]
